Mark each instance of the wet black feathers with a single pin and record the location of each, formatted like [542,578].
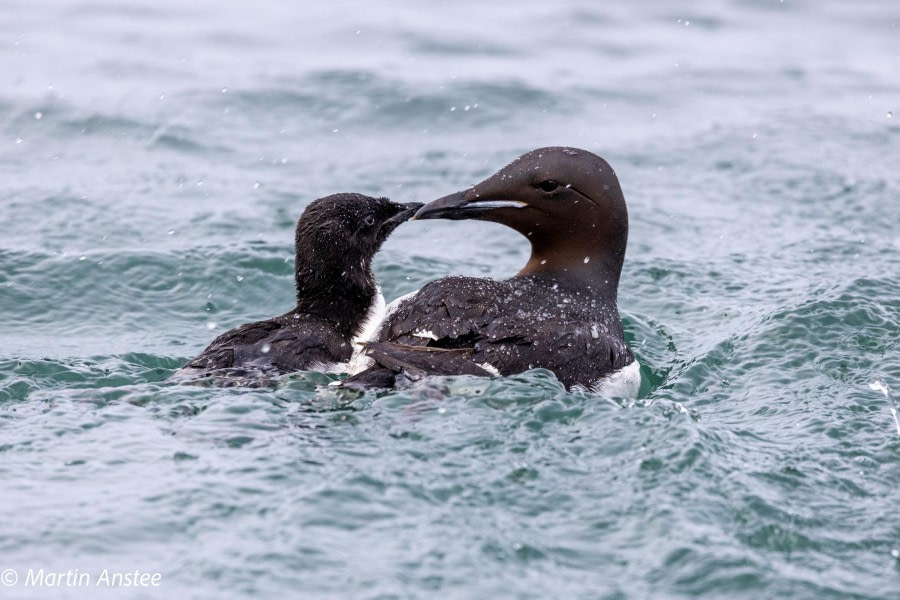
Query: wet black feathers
[513,325]
[282,345]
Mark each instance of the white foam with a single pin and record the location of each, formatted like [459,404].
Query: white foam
[880,386]
[333,368]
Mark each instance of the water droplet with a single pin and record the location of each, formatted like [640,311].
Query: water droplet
[18,140]
[895,553]
[335,130]
[265,348]
[82,257]
[452,108]
[211,325]
[224,90]
[256,185]
[38,115]
[587,259]
[890,114]
[171,232]
[240,277]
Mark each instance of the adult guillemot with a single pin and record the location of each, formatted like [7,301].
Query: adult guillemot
[558,313]
[336,238]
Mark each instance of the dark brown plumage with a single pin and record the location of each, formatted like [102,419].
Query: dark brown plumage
[559,312]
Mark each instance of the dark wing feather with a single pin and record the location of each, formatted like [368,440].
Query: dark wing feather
[418,361]
[280,345]
[220,352]
[513,325]
[413,363]
[455,310]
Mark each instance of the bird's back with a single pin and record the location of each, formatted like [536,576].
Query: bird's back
[291,342]
[515,325]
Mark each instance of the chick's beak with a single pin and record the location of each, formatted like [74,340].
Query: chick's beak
[405,212]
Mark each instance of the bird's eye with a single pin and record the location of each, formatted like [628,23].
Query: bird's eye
[549,186]
[369,220]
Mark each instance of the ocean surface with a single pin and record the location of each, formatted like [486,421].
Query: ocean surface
[155,155]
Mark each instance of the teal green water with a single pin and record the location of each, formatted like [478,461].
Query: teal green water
[155,157]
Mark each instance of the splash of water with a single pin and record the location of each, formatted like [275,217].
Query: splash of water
[880,386]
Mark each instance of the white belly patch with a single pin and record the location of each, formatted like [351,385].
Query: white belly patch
[624,383]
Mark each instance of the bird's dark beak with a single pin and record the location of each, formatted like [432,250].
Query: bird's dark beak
[457,207]
[406,211]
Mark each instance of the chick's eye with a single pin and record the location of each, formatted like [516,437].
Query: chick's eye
[369,220]
[549,186]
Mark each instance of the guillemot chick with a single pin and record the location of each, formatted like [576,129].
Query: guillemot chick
[336,238]
[558,313]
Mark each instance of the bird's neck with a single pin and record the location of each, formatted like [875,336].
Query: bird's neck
[588,265]
[341,295]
